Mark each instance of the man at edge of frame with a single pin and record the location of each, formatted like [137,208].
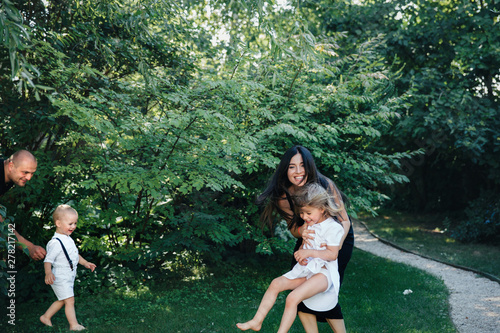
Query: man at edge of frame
[18,170]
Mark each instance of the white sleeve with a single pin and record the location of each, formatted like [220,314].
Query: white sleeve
[334,234]
[54,248]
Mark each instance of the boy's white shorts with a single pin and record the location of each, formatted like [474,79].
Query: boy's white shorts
[63,285]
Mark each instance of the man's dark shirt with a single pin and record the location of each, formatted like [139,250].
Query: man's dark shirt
[3,187]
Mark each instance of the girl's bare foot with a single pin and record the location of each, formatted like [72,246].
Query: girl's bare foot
[46,321]
[253,325]
[77,328]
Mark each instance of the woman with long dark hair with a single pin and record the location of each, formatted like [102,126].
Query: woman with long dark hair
[297,168]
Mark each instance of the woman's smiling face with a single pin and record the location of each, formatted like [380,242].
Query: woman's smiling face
[296,172]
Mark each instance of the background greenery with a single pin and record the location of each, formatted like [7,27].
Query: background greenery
[161,121]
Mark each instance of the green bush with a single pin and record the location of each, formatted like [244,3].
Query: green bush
[482,222]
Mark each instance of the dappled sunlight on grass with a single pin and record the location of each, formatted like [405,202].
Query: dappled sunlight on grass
[388,230]
[136,292]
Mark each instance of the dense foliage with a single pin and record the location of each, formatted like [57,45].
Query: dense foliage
[160,122]
[447,55]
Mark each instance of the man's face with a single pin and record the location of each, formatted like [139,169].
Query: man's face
[21,172]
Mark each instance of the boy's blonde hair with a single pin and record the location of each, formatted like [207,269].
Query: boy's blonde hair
[315,195]
[61,211]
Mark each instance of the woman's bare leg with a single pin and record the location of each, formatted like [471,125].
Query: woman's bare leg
[337,325]
[277,285]
[309,322]
[315,285]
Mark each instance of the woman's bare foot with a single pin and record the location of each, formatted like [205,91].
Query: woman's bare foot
[77,328]
[46,321]
[253,325]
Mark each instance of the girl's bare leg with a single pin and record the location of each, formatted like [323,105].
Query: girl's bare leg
[337,325]
[69,309]
[316,284]
[52,310]
[309,322]
[277,285]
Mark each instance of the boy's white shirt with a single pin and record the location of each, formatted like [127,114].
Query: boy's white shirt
[55,254]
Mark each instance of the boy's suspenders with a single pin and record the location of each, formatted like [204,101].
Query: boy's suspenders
[66,254]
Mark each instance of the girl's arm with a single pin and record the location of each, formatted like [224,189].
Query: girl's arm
[86,264]
[331,253]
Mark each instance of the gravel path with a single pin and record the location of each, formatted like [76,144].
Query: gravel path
[474,300]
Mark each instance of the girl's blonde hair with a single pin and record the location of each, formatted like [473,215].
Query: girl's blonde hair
[62,210]
[315,195]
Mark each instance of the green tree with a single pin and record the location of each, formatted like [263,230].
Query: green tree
[161,137]
[16,40]
[447,55]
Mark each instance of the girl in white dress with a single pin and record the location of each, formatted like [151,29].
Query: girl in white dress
[59,272]
[316,271]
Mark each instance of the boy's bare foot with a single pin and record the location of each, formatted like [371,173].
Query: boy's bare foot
[77,328]
[249,325]
[46,321]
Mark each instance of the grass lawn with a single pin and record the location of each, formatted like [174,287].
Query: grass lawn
[424,234]
[372,300]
